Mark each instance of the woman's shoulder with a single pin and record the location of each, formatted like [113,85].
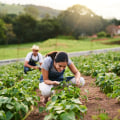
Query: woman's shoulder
[48,59]
[46,63]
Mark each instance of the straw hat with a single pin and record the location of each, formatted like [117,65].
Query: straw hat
[35,47]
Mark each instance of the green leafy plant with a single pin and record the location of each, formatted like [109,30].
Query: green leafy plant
[101,116]
[65,104]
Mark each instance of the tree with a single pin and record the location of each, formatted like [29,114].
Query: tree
[47,28]
[111,29]
[10,35]
[24,28]
[2,31]
[8,18]
[79,20]
[32,11]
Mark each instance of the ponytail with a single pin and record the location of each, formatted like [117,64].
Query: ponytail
[58,56]
[52,54]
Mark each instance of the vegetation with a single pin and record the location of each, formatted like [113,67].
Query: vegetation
[105,116]
[101,34]
[65,104]
[17,91]
[20,9]
[58,44]
[77,21]
[17,96]
[106,70]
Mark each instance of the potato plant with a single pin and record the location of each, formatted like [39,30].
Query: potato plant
[65,104]
[16,99]
[102,67]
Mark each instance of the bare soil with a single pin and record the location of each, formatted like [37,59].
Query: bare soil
[97,103]
[100,39]
[112,43]
[104,41]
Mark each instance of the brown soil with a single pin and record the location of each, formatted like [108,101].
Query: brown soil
[97,103]
[102,39]
[112,43]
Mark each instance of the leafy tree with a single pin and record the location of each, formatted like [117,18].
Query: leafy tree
[79,20]
[47,28]
[8,18]
[114,21]
[24,28]
[10,36]
[2,31]
[32,11]
[111,29]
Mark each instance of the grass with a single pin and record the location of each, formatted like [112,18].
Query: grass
[67,45]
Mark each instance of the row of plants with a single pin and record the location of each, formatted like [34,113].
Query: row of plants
[17,100]
[10,74]
[65,103]
[105,67]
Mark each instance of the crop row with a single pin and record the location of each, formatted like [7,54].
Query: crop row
[17,93]
[17,90]
[105,67]
[10,74]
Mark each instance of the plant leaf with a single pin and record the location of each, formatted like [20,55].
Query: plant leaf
[67,116]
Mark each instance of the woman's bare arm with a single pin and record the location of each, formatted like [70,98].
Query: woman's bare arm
[75,71]
[46,79]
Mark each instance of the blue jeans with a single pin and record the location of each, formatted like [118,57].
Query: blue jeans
[26,69]
[61,79]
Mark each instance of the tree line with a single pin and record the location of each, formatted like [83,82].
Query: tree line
[76,21]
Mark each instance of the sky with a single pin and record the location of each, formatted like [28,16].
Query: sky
[105,8]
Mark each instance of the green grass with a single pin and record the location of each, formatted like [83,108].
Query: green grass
[20,50]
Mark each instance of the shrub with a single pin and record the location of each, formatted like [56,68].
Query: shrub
[101,34]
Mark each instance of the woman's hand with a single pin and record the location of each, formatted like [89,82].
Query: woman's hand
[56,82]
[78,81]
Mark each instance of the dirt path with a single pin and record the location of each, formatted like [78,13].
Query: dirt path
[97,102]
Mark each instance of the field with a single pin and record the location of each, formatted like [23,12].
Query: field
[58,44]
[97,103]
[99,99]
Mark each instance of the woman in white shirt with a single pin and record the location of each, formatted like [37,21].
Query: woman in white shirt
[32,58]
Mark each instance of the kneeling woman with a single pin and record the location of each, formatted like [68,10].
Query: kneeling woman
[53,69]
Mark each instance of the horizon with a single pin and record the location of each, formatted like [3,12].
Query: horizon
[109,10]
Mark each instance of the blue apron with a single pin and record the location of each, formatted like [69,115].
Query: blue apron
[31,62]
[54,75]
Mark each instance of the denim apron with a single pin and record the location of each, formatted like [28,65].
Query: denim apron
[54,75]
[33,62]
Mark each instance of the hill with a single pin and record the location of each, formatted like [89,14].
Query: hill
[18,9]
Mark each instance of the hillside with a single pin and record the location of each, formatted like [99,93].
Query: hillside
[18,9]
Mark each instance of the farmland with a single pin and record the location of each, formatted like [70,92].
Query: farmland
[100,96]
[56,44]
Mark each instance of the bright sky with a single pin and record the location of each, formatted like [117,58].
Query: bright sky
[105,8]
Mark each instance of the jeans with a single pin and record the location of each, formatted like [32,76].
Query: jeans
[26,69]
[59,79]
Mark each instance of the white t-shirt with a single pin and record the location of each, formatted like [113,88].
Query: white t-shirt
[47,62]
[28,57]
